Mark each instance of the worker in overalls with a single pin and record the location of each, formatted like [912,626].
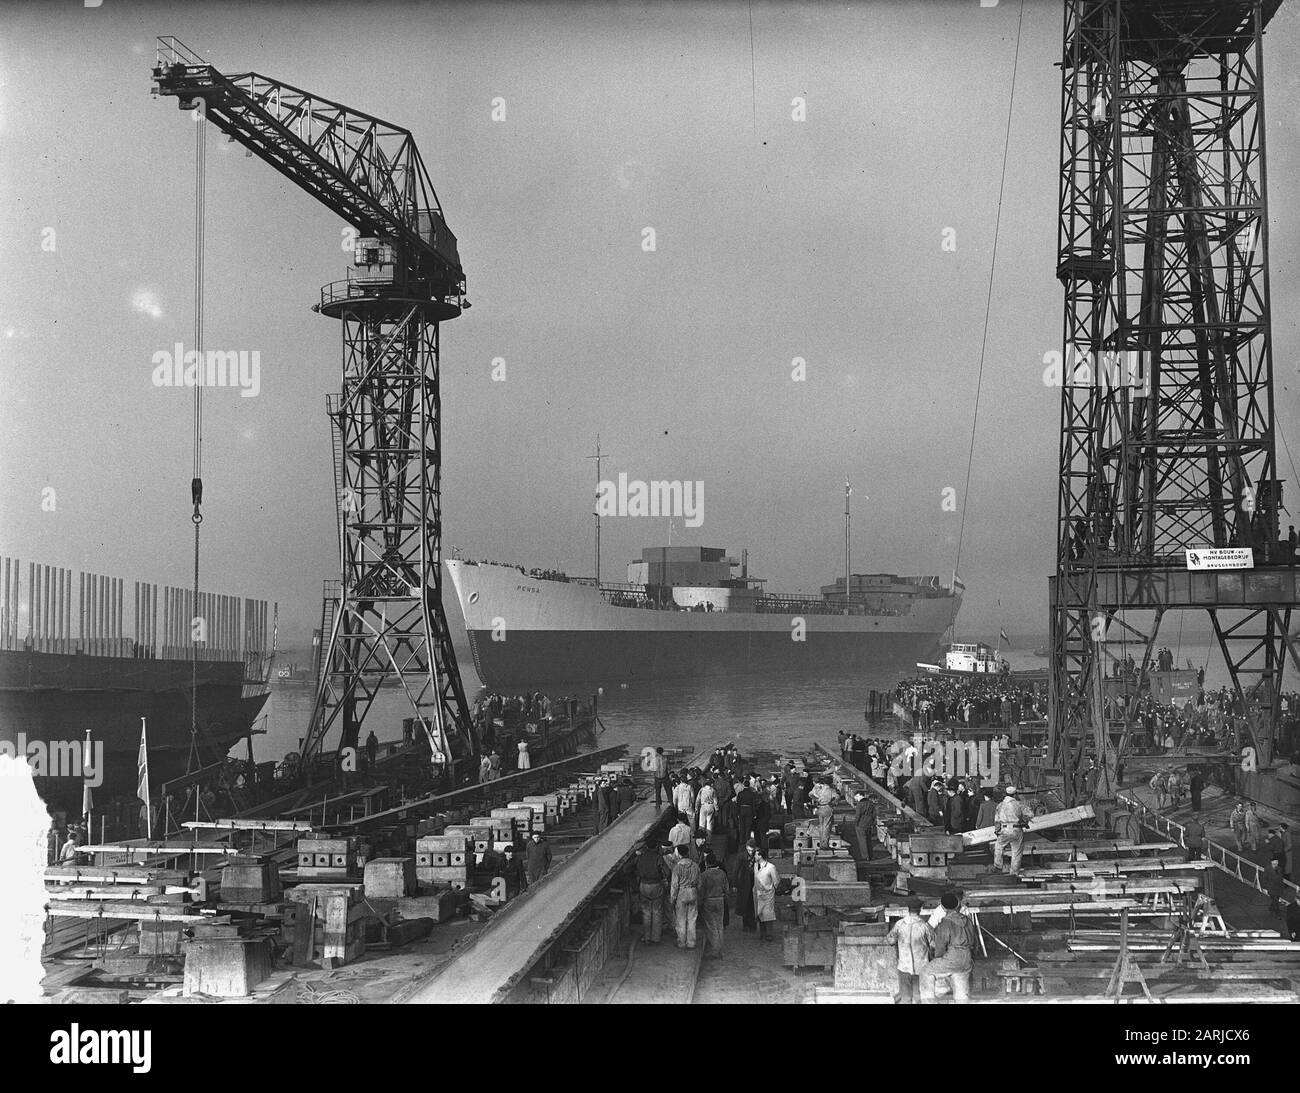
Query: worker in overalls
[823,796]
[1009,824]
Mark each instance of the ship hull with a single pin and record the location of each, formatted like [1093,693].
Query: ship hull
[532,659]
[528,633]
[54,698]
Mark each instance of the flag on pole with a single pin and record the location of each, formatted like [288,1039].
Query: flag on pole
[958,585]
[1003,635]
[87,795]
[142,770]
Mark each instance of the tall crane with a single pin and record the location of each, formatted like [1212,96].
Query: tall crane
[1167,465]
[387,620]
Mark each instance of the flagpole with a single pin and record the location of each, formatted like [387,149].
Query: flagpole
[144,777]
[848,491]
[87,797]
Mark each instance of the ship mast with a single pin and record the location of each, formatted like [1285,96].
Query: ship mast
[848,492]
[598,458]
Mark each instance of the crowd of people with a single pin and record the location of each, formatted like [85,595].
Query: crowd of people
[1213,719]
[990,700]
[714,861]
[539,574]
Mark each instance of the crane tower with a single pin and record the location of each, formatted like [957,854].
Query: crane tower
[1167,460]
[385,620]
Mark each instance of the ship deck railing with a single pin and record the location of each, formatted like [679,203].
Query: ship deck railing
[635,596]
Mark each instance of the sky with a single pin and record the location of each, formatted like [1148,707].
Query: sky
[776,239]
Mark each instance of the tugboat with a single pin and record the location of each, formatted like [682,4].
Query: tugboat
[967,660]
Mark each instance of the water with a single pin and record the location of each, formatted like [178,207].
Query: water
[781,713]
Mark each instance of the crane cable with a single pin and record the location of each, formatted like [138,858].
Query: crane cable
[196,483]
[988,303]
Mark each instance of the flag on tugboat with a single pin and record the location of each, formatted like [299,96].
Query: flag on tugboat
[1003,635]
[958,585]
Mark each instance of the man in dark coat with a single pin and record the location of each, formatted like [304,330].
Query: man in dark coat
[864,822]
[539,857]
[954,813]
[1275,886]
[602,808]
[762,819]
[858,752]
[1275,848]
[722,788]
[726,834]
[626,795]
[1197,784]
[746,803]
[790,780]
[742,878]
[611,800]
[935,801]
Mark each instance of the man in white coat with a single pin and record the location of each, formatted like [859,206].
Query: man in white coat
[684,801]
[765,882]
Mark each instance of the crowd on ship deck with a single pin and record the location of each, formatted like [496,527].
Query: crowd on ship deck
[762,605]
[540,574]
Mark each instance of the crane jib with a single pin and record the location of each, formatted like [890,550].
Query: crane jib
[364,169]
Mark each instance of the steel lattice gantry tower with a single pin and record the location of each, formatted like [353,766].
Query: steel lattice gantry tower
[1167,432]
[386,619]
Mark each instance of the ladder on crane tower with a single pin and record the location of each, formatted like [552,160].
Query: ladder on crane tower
[328,610]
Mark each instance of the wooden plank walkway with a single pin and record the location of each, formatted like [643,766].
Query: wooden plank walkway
[494,962]
[490,966]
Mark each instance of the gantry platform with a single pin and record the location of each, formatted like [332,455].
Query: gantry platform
[1172,587]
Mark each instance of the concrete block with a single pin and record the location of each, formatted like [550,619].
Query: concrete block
[842,870]
[245,881]
[441,906]
[452,876]
[160,938]
[865,962]
[226,967]
[390,878]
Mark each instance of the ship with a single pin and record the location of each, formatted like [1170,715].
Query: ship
[683,612]
[966,659]
[65,673]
